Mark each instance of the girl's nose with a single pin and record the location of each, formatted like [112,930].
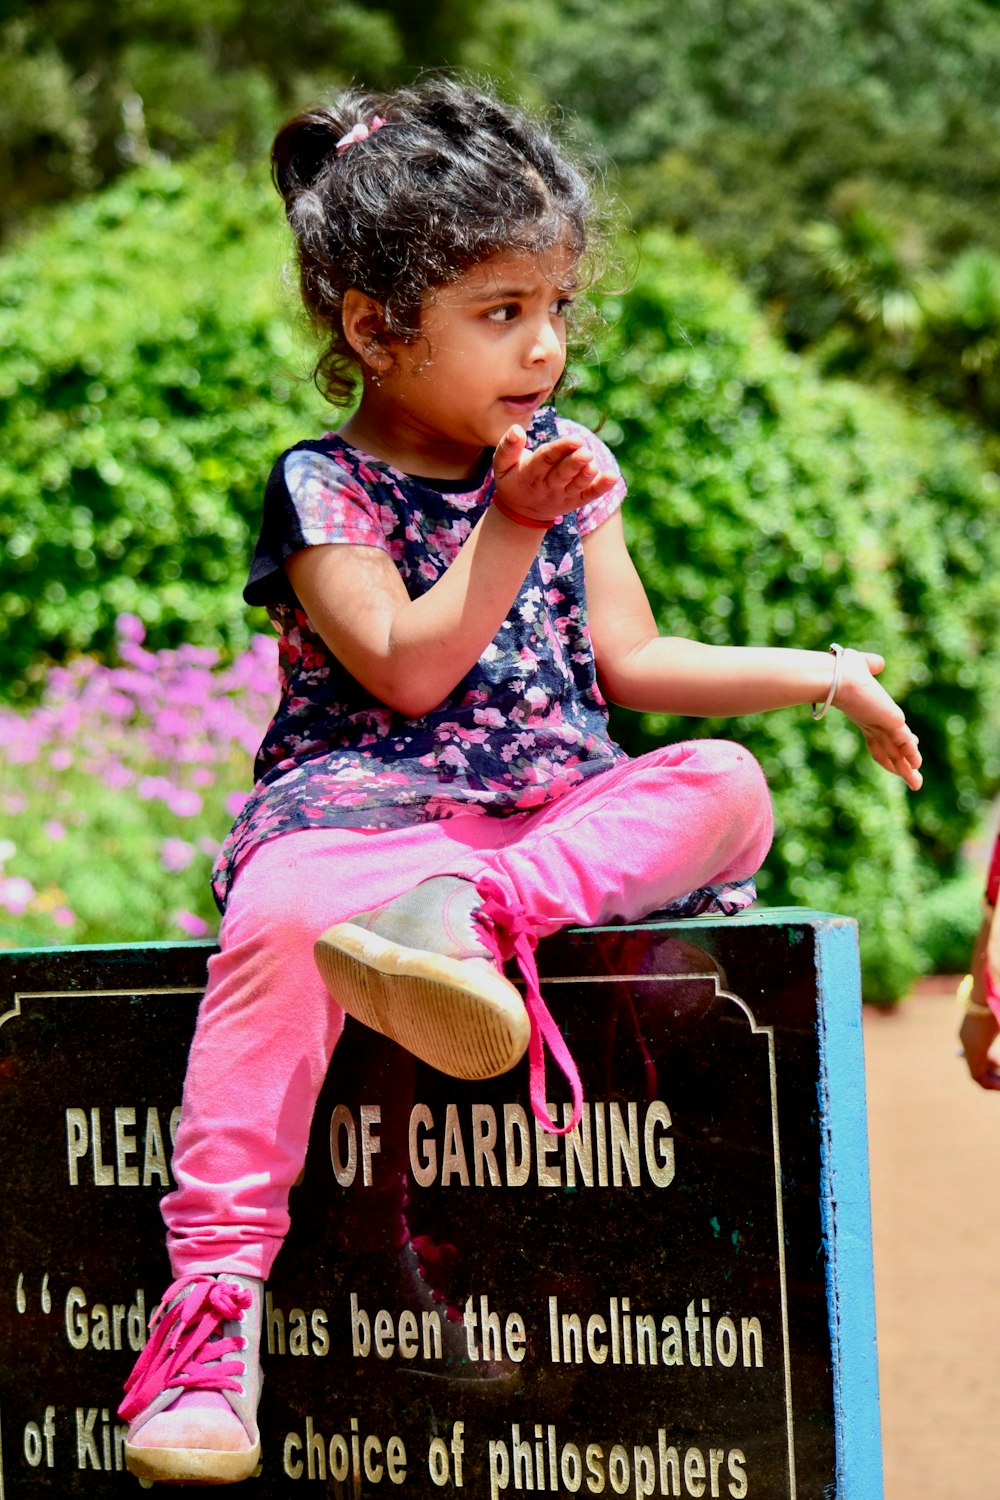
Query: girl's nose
[546,344]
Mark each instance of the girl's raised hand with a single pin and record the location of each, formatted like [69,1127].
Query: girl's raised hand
[866,703]
[557,477]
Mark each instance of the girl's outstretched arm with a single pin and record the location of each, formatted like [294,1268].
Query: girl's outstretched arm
[641,669]
[411,653]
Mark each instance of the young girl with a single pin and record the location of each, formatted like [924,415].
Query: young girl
[438,788]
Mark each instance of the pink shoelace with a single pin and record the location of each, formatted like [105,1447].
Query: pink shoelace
[513,924]
[179,1353]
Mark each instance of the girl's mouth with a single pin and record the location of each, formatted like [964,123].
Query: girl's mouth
[524,403]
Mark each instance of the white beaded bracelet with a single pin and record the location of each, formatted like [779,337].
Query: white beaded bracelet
[837,652]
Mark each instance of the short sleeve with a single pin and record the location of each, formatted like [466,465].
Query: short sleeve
[310,499]
[596,512]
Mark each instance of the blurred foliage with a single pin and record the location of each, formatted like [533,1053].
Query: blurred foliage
[869,271]
[950,915]
[842,156]
[149,374]
[647,77]
[87,89]
[770,507]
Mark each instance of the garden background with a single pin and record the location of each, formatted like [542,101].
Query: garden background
[796,359]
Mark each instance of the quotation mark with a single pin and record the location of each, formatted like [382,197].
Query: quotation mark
[45,1297]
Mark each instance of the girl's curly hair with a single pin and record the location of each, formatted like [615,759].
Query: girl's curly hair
[451,177]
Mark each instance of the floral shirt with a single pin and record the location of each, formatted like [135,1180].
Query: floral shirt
[526,723]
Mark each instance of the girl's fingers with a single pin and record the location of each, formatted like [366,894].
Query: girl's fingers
[509,451]
[894,758]
[570,461]
[908,772]
[598,487]
[558,451]
[564,474]
[890,740]
[556,465]
[574,470]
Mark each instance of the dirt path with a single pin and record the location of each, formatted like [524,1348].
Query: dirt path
[935,1166]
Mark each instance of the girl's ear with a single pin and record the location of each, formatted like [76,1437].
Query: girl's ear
[364,329]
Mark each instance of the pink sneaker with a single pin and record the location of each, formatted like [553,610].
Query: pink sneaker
[426,970]
[423,971]
[191,1400]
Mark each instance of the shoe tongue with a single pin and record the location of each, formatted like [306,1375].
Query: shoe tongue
[203,1400]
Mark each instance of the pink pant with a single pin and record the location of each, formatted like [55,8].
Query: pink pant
[617,846]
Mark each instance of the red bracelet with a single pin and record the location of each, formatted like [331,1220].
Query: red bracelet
[512,515]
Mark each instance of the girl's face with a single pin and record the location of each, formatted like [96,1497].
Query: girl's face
[492,347]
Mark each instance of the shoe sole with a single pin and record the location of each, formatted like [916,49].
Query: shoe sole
[191,1465]
[466,1025]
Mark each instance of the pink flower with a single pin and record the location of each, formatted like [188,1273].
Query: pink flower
[54,831]
[130,628]
[183,802]
[63,917]
[193,925]
[116,776]
[451,755]
[15,894]
[491,717]
[235,803]
[152,787]
[176,855]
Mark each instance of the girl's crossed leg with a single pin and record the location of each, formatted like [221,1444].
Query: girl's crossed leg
[615,847]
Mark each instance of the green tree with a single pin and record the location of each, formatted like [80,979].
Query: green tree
[958,360]
[830,152]
[90,89]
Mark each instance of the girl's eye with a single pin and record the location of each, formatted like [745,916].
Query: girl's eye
[505,314]
[561,306]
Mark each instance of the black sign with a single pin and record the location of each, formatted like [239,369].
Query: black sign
[465,1304]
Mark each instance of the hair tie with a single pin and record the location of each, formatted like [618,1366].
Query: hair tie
[359,132]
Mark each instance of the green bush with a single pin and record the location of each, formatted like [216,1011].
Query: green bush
[950,916]
[770,507]
[148,376]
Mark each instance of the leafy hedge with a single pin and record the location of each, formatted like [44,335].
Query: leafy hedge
[150,372]
[770,507]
